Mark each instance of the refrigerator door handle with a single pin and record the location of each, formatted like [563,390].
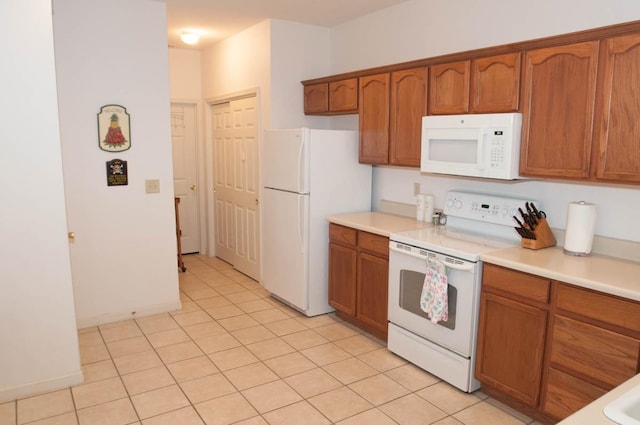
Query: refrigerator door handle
[300,222]
[300,164]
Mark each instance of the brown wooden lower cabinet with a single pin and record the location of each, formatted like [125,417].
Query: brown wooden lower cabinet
[511,349]
[512,332]
[550,355]
[358,277]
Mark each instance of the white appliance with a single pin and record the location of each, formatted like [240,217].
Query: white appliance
[475,145]
[476,223]
[307,175]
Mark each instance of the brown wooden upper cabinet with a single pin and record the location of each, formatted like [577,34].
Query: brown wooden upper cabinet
[495,83]
[408,106]
[577,94]
[558,102]
[343,96]
[335,97]
[391,109]
[617,128]
[484,85]
[373,98]
[449,88]
[316,98]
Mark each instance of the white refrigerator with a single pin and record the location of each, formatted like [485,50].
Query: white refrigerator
[307,175]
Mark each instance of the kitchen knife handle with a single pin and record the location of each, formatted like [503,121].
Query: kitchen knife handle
[518,221]
[535,210]
[533,216]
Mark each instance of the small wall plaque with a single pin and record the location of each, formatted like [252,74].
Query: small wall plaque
[117,173]
[114,130]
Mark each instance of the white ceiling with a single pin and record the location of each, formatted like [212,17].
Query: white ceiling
[218,19]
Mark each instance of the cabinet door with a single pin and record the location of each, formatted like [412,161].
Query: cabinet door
[617,133]
[373,272]
[408,106]
[510,350]
[495,83]
[449,88]
[343,96]
[558,99]
[342,278]
[373,98]
[316,98]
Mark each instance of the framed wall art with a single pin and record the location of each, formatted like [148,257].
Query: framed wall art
[114,130]
[117,174]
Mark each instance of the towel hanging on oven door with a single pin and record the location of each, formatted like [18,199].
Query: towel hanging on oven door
[433,299]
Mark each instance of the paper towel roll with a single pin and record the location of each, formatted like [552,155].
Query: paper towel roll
[581,225]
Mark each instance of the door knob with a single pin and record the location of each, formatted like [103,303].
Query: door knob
[71,236]
[193,187]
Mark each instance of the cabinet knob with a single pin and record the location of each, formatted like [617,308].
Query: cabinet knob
[71,236]
[193,187]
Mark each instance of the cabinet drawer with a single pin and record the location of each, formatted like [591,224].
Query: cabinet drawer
[602,307]
[342,235]
[565,394]
[374,243]
[505,281]
[607,356]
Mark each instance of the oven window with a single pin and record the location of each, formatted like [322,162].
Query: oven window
[411,290]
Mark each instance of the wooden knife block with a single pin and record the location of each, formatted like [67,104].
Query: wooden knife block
[544,237]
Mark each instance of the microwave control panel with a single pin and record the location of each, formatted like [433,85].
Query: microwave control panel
[498,154]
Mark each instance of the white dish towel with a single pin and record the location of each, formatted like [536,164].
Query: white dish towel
[433,299]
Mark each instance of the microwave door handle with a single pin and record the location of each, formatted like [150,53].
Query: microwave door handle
[465,267]
[482,139]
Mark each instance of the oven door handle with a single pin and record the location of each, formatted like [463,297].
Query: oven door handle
[465,267]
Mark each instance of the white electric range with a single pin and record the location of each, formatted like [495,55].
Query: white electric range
[476,223]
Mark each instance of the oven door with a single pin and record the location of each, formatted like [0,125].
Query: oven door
[407,270]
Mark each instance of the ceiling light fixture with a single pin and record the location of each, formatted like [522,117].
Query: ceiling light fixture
[190,37]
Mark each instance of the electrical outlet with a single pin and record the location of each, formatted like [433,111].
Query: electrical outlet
[152,186]
[416,189]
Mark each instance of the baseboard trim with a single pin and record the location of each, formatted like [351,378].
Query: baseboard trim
[126,315]
[41,387]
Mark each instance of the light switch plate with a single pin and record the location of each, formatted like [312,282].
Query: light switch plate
[152,186]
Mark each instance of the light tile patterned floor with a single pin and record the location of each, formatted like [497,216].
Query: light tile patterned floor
[233,355]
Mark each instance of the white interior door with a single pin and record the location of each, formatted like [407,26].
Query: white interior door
[185,173]
[236,185]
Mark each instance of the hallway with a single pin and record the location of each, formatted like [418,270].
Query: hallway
[233,355]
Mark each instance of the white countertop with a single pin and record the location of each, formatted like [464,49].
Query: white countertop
[598,272]
[379,223]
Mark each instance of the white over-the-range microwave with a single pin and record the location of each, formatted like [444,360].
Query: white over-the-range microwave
[475,145]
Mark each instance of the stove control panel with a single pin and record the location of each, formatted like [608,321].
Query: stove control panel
[488,208]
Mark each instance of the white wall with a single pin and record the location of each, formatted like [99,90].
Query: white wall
[185,74]
[298,52]
[37,322]
[422,28]
[124,254]
[238,64]
[272,57]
